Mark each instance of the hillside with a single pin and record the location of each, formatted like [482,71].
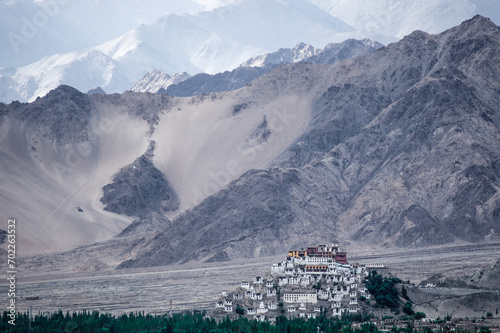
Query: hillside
[399,151]
[56,155]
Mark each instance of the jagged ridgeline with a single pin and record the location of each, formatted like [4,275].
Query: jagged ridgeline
[257,66]
[396,148]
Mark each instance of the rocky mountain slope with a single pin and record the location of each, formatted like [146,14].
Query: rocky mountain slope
[92,151]
[204,83]
[400,151]
[395,148]
[56,155]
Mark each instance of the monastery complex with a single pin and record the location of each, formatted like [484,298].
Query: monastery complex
[309,282]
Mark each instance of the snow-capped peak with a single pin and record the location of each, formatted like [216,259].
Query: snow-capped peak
[156,80]
[283,56]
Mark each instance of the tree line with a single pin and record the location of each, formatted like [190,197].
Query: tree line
[195,322]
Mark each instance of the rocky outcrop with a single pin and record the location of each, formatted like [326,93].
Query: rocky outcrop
[139,189]
[61,116]
[145,224]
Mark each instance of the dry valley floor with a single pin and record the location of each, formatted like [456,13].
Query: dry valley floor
[51,287]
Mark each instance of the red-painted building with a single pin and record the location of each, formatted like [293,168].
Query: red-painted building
[325,251]
[312,251]
[341,257]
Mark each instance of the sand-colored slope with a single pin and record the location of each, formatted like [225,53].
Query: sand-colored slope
[203,144]
[54,190]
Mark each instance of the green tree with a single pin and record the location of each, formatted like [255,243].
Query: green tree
[383,290]
[404,293]
[408,309]
[240,310]
[419,315]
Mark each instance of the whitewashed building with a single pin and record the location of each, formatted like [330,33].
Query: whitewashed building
[262,308]
[271,292]
[278,268]
[301,298]
[338,311]
[336,304]
[323,294]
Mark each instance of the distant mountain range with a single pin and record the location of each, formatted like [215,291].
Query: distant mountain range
[397,147]
[111,44]
[257,66]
